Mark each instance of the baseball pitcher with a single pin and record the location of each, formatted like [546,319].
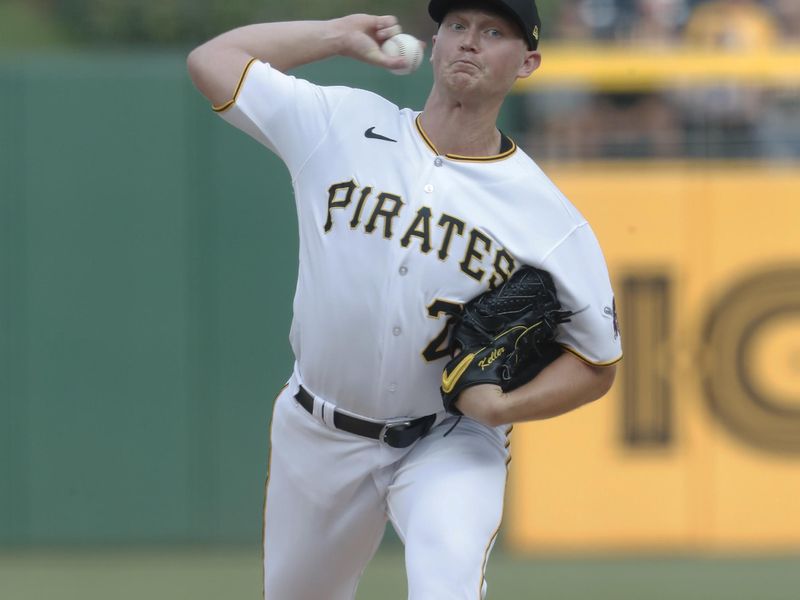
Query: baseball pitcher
[446,290]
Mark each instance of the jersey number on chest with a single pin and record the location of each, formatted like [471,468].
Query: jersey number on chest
[439,347]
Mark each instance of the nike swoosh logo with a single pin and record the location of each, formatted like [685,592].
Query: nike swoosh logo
[449,380]
[370,133]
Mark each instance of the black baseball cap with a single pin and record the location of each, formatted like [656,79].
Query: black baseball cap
[522,12]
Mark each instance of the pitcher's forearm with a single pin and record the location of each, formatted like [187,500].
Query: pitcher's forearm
[564,385]
[217,65]
[284,45]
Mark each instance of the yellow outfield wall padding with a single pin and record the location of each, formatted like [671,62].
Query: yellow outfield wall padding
[697,446]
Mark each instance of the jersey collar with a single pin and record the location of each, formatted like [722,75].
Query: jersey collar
[507,147]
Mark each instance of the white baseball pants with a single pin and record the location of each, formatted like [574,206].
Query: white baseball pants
[330,493]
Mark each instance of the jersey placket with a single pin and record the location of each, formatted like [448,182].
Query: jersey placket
[399,293]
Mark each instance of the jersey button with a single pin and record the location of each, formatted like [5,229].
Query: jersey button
[397,331]
[438,162]
[403,270]
[428,189]
[392,387]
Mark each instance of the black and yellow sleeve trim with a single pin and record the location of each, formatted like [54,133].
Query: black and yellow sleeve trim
[223,107]
[507,148]
[591,362]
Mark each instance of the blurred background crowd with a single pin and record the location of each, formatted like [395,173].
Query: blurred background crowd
[714,120]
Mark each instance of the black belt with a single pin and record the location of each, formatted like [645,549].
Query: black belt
[399,434]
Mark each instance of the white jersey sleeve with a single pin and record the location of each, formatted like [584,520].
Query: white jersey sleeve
[582,282]
[290,116]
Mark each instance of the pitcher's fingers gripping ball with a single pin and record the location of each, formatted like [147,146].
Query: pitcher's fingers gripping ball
[504,336]
[405,46]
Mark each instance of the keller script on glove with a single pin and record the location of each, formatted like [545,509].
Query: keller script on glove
[504,336]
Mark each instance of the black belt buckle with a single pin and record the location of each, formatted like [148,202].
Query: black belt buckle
[404,433]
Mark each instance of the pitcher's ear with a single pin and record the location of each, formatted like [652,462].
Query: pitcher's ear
[533,61]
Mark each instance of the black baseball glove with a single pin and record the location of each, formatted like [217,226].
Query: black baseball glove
[504,336]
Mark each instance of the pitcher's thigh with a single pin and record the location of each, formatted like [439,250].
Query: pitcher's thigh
[447,504]
[323,518]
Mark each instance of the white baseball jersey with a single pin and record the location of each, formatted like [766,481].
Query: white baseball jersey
[391,231]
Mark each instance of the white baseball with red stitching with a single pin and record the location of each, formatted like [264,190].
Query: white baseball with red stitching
[408,47]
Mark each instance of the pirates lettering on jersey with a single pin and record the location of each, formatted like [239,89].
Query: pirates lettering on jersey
[421,228]
[339,196]
[473,253]
[359,207]
[449,223]
[387,207]
[504,266]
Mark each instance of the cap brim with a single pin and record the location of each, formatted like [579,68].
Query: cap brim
[438,9]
